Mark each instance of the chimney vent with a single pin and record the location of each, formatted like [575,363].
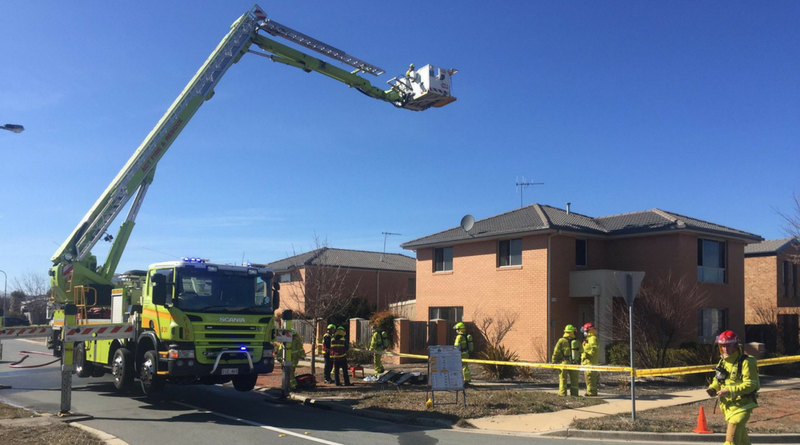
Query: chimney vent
[568,204]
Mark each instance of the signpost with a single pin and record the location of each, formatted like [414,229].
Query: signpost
[444,371]
[628,283]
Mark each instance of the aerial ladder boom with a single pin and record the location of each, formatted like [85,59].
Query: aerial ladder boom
[73,263]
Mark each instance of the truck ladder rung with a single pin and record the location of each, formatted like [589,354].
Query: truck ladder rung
[276,29]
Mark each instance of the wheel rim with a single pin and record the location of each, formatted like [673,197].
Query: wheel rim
[116,369]
[148,372]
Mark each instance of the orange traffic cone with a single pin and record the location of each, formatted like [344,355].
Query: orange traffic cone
[702,426]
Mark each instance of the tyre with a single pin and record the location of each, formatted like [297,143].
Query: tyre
[245,383]
[82,368]
[152,383]
[122,369]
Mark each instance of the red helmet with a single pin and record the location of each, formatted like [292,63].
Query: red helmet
[588,327]
[727,338]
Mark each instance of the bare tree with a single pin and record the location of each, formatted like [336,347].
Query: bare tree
[663,313]
[322,290]
[493,329]
[792,227]
[30,295]
[33,284]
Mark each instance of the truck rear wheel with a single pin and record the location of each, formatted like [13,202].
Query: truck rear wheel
[83,368]
[245,383]
[152,383]
[122,369]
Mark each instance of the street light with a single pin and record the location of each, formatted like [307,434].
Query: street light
[13,128]
[5,284]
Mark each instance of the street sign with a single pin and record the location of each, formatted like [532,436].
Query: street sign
[628,283]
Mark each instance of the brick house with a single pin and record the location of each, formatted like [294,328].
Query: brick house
[378,278]
[552,267]
[772,291]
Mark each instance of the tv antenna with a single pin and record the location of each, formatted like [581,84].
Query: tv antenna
[521,186]
[386,235]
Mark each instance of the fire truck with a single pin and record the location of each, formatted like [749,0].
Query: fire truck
[191,321]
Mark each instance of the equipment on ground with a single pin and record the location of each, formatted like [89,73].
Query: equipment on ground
[189,321]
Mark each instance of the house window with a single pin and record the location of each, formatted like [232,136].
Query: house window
[443,259]
[710,323]
[786,274]
[794,280]
[580,252]
[710,261]
[452,314]
[412,288]
[286,277]
[509,252]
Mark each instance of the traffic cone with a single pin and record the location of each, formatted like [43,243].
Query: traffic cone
[702,426]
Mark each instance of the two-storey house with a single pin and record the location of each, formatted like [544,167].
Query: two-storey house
[554,267]
[772,291]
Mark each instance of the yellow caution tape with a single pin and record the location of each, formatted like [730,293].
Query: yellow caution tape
[654,372]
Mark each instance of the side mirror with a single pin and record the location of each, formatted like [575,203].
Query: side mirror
[159,285]
[276,295]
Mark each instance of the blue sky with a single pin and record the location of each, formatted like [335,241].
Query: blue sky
[688,106]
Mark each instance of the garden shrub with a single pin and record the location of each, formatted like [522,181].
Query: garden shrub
[501,354]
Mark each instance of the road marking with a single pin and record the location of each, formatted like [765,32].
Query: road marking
[251,423]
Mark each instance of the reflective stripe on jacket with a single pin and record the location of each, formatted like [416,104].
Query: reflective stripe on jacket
[338,347]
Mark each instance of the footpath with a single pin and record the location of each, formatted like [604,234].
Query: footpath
[558,423]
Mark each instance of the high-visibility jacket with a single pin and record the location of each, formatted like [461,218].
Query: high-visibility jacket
[296,347]
[338,347]
[326,344]
[742,382]
[591,350]
[378,341]
[562,353]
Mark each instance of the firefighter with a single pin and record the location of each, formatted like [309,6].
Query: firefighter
[465,345]
[326,353]
[736,384]
[567,351]
[410,73]
[378,344]
[590,356]
[339,349]
[297,351]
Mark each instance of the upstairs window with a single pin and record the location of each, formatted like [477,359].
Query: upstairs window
[509,252]
[794,280]
[786,275]
[710,261]
[580,252]
[285,277]
[443,259]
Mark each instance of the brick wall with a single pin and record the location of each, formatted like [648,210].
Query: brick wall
[377,287]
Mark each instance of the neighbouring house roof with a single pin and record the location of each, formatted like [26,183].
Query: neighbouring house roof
[543,218]
[352,259]
[769,247]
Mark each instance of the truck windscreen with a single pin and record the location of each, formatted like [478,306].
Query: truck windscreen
[202,291]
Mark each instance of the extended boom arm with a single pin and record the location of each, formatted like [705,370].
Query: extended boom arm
[73,263]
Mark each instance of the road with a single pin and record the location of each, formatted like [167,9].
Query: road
[196,415]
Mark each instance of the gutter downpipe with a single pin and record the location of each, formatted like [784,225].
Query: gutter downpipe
[549,298]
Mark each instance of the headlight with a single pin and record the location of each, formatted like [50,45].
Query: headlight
[181,353]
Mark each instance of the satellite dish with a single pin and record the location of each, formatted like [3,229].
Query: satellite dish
[467,222]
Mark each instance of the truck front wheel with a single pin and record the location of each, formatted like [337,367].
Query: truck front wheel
[245,383]
[82,368]
[152,383]
[122,369]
